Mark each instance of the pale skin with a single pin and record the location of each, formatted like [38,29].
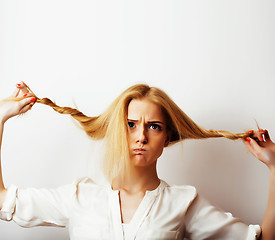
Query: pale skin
[147,137]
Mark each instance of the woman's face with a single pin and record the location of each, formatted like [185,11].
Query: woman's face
[147,135]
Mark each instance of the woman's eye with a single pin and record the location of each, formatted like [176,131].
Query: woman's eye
[155,127]
[131,124]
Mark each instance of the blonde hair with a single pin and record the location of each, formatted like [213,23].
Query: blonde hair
[112,125]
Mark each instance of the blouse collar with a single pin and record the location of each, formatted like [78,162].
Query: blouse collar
[153,192]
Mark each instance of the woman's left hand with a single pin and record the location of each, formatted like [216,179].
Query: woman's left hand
[262,148]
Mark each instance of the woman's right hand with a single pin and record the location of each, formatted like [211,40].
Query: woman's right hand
[261,146]
[18,103]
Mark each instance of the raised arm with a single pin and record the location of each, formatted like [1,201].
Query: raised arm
[264,150]
[19,102]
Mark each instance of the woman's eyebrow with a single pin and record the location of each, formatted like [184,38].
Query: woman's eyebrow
[150,122]
[132,120]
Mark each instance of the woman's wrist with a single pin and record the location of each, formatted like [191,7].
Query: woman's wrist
[2,120]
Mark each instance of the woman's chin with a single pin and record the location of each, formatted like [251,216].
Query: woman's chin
[140,161]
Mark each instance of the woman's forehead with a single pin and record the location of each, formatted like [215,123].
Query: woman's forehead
[144,108]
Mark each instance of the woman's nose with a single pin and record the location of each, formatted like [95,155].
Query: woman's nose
[141,137]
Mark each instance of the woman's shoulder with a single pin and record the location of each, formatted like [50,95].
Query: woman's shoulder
[88,184]
[85,189]
[85,180]
[187,191]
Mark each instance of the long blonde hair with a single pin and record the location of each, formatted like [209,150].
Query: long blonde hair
[112,125]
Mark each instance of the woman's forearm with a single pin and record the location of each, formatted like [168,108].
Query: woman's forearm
[18,103]
[264,150]
[268,225]
[2,186]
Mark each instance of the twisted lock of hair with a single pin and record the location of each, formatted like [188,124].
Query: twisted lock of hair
[95,127]
[182,128]
[186,128]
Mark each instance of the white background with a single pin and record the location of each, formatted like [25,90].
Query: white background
[214,58]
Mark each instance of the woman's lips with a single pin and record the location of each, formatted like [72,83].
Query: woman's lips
[139,150]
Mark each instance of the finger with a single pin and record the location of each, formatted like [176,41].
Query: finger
[257,135]
[24,89]
[15,93]
[17,90]
[29,90]
[26,95]
[26,101]
[25,108]
[266,136]
[26,86]
[254,147]
[247,143]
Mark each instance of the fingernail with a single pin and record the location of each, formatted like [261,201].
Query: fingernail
[248,139]
[33,99]
[25,95]
[262,131]
[250,131]
[18,85]
[262,139]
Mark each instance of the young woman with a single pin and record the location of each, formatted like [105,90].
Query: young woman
[137,204]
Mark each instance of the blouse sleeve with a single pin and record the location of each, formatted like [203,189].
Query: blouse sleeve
[38,207]
[205,221]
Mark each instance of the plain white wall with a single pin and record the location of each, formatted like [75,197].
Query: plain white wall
[214,58]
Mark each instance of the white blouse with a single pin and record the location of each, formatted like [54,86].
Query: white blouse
[91,211]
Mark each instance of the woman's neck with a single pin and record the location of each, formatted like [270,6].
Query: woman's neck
[138,180]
